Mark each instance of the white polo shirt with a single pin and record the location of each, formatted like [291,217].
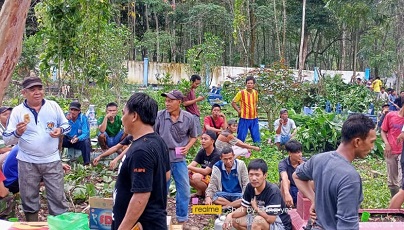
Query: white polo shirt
[35,144]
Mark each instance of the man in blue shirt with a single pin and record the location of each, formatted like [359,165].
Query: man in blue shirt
[79,135]
[228,181]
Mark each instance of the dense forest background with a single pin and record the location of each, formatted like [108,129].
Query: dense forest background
[89,39]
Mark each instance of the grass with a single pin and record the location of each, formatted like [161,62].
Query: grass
[374,182]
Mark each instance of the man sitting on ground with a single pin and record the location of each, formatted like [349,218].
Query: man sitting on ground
[227,139]
[228,182]
[206,157]
[285,128]
[286,169]
[215,122]
[262,206]
[110,127]
[79,135]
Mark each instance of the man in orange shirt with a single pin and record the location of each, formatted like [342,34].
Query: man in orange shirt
[247,111]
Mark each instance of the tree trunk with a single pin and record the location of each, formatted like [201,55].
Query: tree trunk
[277,31]
[355,50]
[343,47]
[283,52]
[157,36]
[13,15]
[253,34]
[301,55]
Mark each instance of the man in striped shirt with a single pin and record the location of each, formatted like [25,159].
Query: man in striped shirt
[248,100]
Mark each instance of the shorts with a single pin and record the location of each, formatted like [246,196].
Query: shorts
[277,225]
[205,179]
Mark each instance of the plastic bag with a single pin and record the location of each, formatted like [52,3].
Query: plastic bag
[68,221]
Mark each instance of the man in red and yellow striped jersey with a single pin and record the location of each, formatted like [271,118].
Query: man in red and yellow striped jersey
[247,111]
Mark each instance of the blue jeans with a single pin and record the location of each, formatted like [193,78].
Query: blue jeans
[248,124]
[179,171]
[293,192]
[84,146]
[112,141]
[228,196]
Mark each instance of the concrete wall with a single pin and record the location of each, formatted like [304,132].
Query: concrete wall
[180,71]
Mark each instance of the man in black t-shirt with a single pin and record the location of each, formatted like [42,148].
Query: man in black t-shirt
[262,206]
[140,194]
[206,157]
[286,168]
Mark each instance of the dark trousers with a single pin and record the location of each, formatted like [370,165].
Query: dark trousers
[84,146]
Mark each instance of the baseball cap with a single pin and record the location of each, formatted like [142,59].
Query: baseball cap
[211,134]
[174,94]
[75,105]
[283,111]
[5,108]
[29,82]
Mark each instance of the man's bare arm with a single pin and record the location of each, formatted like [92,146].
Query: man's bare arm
[135,209]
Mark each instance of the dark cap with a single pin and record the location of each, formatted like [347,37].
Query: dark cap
[174,94]
[5,108]
[211,134]
[75,105]
[31,81]
[385,105]
[232,122]
[283,111]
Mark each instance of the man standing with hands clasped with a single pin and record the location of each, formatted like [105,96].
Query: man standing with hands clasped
[35,125]
[248,99]
[178,130]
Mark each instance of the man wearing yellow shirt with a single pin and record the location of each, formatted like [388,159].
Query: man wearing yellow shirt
[248,100]
[376,85]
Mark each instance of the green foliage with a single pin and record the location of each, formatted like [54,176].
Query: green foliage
[352,97]
[373,173]
[83,182]
[165,41]
[276,87]
[207,55]
[82,42]
[319,132]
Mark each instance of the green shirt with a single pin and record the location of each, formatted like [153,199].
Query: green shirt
[112,128]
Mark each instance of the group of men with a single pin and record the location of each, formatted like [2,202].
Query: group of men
[159,143]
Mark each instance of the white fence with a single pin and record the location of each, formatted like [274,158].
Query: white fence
[180,71]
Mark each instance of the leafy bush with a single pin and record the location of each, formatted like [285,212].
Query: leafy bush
[319,132]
